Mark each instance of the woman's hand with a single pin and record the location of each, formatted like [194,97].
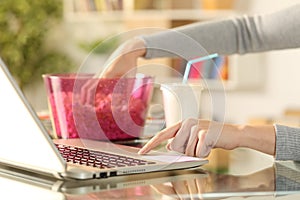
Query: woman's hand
[124,59]
[122,62]
[195,137]
[191,188]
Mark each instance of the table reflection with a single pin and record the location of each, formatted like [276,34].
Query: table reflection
[277,181]
[282,181]
[221,185]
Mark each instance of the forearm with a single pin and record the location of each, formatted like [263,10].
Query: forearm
[260,138]
[237,35]
[280,141]
[124,60]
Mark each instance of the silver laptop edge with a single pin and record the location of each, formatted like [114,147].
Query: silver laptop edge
[94,185]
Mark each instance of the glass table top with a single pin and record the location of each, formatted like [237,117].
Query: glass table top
[281,180]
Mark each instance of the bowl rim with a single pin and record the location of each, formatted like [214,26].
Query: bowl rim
[87,75]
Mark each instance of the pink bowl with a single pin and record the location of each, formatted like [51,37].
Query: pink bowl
[116,108]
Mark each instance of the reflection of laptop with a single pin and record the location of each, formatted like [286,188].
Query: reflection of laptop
[209,186]
[25,144]
[61,188]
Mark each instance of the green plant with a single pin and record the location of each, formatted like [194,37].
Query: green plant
[24,25]
[100,46]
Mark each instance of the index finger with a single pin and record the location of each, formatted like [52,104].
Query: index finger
[160,137]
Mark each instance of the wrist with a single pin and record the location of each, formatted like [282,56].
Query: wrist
[242,135]
[136,47]
[260,138]
[231,137]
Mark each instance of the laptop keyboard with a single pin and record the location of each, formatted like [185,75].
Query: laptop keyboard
[97,159]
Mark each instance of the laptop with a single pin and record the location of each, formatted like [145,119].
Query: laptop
[25,144]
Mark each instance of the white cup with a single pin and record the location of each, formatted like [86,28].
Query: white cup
[181,101]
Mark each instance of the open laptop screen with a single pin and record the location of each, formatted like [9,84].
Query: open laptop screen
[24,141]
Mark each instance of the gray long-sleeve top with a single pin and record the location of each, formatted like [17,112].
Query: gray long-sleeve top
[245,34]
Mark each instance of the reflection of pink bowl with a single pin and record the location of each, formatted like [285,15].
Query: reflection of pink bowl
[117,109]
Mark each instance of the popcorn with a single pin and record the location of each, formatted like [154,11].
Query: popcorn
[118,110]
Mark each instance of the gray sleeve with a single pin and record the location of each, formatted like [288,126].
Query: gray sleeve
[287,143]
[244,34]
[287,179]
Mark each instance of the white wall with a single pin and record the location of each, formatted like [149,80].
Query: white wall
[282,78]
[281,90]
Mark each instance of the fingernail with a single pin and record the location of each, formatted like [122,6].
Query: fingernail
[141,151]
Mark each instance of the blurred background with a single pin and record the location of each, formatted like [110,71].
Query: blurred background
[55,36]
